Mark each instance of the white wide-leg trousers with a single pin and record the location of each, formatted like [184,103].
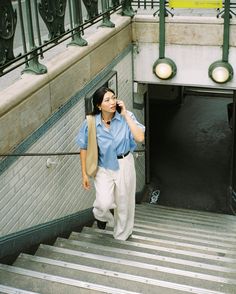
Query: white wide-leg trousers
[116,190]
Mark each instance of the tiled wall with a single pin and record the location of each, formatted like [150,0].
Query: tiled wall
[30,192]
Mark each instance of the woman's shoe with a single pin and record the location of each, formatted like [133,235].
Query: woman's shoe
[101,225]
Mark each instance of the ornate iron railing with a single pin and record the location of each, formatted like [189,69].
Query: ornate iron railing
[24,19]
[23,22]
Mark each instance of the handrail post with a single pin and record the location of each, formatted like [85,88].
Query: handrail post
[162,29]
[106,22]
[77,40]
[33,64]
[225,53]
[127,9]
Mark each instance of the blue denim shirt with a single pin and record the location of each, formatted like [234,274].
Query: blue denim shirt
[114,141]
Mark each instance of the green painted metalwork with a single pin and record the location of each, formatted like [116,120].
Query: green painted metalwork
[162,29]
[33,65]
[106,20]
[225,53]
[8,20]
[225,50]
[77,40]
[115,2]
[91,7]
[53,15]
[127,9]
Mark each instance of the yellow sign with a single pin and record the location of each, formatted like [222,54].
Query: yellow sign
[196,3]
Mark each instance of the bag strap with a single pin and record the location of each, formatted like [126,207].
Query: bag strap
[92,148]
[91,128]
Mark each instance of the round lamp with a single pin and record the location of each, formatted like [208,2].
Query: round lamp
[220,72]
[164,68]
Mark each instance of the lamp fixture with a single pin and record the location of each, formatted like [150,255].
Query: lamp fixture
[164,68]
[220,72]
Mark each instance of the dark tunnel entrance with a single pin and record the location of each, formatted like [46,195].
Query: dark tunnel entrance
[190,146]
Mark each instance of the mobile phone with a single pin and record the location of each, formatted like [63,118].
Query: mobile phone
[118,108]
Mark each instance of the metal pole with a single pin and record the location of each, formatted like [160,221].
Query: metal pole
[22,30]
[38,27]
[225,53]
[162,29]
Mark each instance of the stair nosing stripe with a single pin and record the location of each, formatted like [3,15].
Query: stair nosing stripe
[186,226]
[182,243]
[129,277]
[62,280]
[187,221]
[149,255]
[174,251]
[13,290]
[169,209]
[142,265]
[192,232]
[187,214]
[185,239]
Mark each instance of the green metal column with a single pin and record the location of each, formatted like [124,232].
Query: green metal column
[33,65]
[77,40]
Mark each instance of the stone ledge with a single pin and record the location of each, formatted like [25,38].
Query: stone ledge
[29,83]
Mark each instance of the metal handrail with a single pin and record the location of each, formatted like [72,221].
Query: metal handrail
[49,154]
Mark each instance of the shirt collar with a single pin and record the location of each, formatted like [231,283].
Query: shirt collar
[99,118]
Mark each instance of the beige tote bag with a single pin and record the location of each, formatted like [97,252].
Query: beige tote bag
[92,148]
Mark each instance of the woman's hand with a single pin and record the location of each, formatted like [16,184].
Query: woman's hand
[136,131]
[86,182]
[122,106]
[85,178]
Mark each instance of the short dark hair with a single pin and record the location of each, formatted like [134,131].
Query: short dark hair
[98,97]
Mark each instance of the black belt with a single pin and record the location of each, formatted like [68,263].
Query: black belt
[122,155]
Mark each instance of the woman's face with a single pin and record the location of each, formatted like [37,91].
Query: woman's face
[109,102]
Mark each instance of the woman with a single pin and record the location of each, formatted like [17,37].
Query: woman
[115,182]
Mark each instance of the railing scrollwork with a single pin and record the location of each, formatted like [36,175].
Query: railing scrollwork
[8,20]
[53,15]
[92,8]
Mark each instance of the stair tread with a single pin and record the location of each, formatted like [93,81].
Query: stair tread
[171,251]
[105,238]
[50,283]
[173,210]
[175,240]
[135,281]
[130,266]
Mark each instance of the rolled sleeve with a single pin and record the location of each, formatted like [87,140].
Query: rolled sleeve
[82,137]
[137,123]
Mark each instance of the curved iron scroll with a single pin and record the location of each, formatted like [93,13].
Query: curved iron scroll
[91,7]
[53,15]
[8,20]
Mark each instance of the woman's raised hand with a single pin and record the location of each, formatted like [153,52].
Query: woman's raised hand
[122,106]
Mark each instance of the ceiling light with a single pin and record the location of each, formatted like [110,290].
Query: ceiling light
[220,72]
[164,68]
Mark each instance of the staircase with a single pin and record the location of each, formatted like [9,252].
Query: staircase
[171,251]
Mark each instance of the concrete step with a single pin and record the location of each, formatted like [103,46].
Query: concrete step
[143,269]
[86,245]
[44,283]
[122,281]
[178,240]
[155,249]
[164,274]
[225,224]
[170,251]
[12,290]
